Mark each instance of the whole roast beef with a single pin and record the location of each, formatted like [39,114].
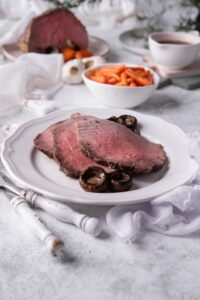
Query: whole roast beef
[115,145]
[57,29]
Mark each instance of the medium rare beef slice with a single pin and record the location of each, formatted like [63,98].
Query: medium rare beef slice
[56,28]
[113,144]
[44,141]
[67,151]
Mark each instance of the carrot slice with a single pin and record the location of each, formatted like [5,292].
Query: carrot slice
[138,69]
[83,53]
[68,54]
[116,70]
[122,76]
[121,83]
[112,81]
[98,79]
[132,84]
[138,80]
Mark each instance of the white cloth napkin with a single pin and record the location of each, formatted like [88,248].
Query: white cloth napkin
[32,76]
[176,213]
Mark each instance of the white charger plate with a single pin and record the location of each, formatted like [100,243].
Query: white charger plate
[30,168]
[98,46]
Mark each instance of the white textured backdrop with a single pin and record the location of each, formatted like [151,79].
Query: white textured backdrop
[158,268]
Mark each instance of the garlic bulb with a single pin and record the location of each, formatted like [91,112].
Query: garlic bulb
[72,70]
[93,61]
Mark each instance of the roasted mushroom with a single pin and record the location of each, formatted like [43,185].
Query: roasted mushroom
[126,120]
[113,119]
[94,179]
[136,131]
[119,181]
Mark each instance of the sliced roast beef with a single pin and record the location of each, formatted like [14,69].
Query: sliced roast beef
[57,28]
[44,141]
[67,150]
[115,145]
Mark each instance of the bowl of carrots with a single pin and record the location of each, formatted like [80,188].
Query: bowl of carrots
[121,85]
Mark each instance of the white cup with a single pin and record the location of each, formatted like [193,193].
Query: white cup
[174,50]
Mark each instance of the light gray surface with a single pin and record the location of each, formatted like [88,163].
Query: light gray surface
[159,267]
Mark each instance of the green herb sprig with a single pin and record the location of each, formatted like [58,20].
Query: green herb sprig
[69,4]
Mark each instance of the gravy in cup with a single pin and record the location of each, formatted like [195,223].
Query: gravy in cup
[174,50]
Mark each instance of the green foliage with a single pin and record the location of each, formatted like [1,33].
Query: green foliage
[68,4]
[195,3]
[188,23]
[185,23]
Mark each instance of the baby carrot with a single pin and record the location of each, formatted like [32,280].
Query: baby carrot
[121,83]
[112,81]
[68,54]
[122,76]
[138,80]
[132,84]
[83,53]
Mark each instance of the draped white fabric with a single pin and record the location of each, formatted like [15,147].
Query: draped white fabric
[32,76]
[176,213]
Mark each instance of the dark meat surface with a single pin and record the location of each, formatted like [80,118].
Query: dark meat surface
[114,145]
[84,141]
[55,29]
[67,150]
[60,142]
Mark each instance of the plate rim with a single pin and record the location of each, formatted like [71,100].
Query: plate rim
[86,198]
[11,57]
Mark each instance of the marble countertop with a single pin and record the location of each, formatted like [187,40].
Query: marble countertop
[157,268]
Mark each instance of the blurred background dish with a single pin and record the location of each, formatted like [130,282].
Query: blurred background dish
[97,46]
[133,40]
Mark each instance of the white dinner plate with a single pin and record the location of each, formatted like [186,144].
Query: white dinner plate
[32,169]
[98,47]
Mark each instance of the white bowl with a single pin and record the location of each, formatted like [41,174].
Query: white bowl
[175,56]
[119,96]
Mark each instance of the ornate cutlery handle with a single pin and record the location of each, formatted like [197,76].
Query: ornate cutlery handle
[64,213]
[36,224]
